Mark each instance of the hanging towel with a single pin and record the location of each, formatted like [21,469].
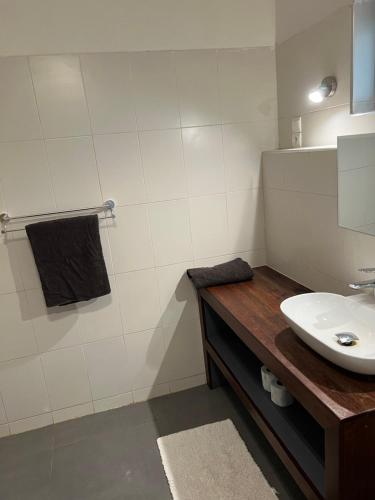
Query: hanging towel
[69,258]
[231,272]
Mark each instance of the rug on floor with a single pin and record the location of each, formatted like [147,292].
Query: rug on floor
[212,463]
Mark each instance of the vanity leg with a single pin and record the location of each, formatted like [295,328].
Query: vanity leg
[350,458]
[213,375]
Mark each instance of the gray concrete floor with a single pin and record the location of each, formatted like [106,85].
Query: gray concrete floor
[114,455]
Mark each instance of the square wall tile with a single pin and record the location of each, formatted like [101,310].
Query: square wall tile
[247,81]
[101,317]
[31,423]
[313,172]
[10,275]
[170,229]
[109,92]
[243,147]
[208,219]
[3,417]
[254,258]
[146,356]
[55,327]
[66,377]
[60,95]
[246,220]
[184,351]
[74,173]
[130,239]
[203,150]
[188,383]
[23,389]
[120,168]
[113,402]
[17,334]
[108,367]
[19,116]
[24,178]
[72,412]
[197,82]
[4,430]
[20,252]
[156,391]
[274,166]
[177,295]
[103,230]
[155,90]
[139,300]
[163,165]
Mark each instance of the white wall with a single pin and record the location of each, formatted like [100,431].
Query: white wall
[295,16]
[175,138]
[303,238]
[302,62]
[55,26]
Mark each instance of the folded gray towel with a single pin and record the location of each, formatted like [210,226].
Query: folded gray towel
[231,272]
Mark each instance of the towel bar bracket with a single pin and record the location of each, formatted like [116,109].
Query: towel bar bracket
[5,218]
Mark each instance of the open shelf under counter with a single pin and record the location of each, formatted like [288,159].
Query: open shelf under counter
[326,438]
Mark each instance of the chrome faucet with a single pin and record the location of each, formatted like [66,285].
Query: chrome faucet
[359,285]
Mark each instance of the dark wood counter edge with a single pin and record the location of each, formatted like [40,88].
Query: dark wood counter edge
[317,402]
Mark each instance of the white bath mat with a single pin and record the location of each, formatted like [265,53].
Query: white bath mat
[212,463]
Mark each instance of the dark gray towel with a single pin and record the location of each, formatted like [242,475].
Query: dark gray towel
[231,272]
[69,257]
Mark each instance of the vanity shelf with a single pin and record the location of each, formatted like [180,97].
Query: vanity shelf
[326,438]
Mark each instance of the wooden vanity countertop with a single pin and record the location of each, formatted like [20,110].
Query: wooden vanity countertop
[252,310]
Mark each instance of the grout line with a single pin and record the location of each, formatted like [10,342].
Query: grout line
[87,375]
[301,192]
[156,267]
[43,139]
[312,111]
[140,131]
[45,385]
[89,114]
[188,189]
[83,53]
[5,410]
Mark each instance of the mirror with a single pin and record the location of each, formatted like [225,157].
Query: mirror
[363,64]
[356,182]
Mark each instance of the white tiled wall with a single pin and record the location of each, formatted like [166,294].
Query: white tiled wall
[302,62]
[175,138]
[304,240]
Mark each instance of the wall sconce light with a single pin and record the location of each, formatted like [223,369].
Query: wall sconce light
[327,89]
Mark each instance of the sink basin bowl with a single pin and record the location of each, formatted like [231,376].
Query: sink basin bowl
[318,317]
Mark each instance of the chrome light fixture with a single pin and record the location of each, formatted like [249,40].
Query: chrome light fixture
[326,89]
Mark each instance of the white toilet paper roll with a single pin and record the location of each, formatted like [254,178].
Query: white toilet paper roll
[267,377]
[279,395]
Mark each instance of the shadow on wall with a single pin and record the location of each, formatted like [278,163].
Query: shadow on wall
[179,332]
[174,351]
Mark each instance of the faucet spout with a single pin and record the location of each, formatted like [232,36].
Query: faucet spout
[360,285]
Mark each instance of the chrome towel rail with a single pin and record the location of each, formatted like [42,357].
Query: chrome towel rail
[6,219]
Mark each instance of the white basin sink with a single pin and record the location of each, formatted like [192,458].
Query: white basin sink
[318,317]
